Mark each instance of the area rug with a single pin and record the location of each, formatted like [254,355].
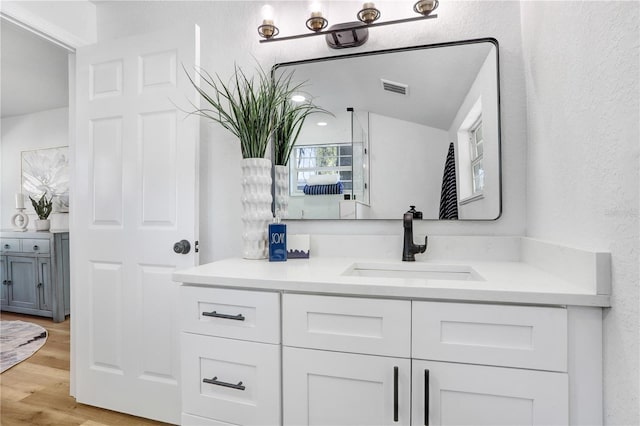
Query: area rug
[18,341]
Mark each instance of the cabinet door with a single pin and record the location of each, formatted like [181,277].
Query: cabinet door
[334,388]
[230,381]
[462,394]
[3,278]
[23,279]
[44,284]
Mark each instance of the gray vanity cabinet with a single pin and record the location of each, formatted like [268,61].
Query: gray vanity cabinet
[35,273]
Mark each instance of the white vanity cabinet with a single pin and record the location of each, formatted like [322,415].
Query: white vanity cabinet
[230,357]
[461,352]
[346,361]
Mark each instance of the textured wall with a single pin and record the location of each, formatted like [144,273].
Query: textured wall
[229,35]
[582,71]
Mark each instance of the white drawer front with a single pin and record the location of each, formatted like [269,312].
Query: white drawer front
[237,314]
[230,380]
[511,336]
[9,244]
[35,246]
[190,420]
[348,324]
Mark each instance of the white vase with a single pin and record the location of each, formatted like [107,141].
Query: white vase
[256,207]
[42,224]
[281,191]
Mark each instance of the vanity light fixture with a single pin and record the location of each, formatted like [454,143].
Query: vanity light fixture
[347,34]
[316,22]
[268,28]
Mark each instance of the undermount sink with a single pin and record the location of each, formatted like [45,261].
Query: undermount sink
[414,271]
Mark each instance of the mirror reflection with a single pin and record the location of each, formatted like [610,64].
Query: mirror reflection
[410,127]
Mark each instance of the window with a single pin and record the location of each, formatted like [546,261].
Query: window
[309,160]
[476,145]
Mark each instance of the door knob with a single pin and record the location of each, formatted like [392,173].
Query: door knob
[182,247]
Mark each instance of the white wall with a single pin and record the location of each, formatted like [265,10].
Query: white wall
[417,154]
[229,35]
[582,71]
[46,129]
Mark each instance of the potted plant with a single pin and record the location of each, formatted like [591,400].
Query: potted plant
[248,108]
[43,209]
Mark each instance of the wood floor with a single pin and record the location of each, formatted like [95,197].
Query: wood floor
[36,391]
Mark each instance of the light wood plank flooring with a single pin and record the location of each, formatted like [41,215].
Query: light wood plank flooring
[36,391]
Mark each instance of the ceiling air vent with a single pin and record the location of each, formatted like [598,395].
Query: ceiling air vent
[392,86]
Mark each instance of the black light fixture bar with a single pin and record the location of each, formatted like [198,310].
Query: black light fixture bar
[375,24]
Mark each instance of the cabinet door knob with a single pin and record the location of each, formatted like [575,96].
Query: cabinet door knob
[4,282]
[9,282]
[426,397]
[39,285]
[7,246]
[216,382]
[36,248]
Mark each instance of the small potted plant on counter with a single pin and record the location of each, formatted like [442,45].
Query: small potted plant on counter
[43,209]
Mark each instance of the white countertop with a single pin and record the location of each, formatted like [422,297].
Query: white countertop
[503,281]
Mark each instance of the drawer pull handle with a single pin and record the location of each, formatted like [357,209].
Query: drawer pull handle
[7,246]
[215,381]
[214,314]
[395,394]
[36,248]
[426,397]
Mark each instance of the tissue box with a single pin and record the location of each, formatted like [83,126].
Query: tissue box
[298,246]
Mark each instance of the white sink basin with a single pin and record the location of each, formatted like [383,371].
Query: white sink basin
[413,271]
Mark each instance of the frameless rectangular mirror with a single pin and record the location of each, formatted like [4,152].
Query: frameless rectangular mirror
[415,126]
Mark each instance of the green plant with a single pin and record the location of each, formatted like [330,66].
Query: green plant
[246,106]
[291,116]
[43,206]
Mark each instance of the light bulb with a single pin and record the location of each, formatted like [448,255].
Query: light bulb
[315,8]
[267,12]
[298,98]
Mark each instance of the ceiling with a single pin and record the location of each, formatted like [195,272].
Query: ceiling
[33,72]
[438,81]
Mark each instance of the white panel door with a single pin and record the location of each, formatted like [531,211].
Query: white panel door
[462,394]
[136,195]
[341,389]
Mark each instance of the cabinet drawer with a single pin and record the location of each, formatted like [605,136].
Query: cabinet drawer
[9,245]
[35,246]
[510,336]
[348,324]
[230,380]
[237,314]
[190,420]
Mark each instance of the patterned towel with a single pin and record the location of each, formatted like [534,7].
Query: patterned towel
[336,188]
[449,195]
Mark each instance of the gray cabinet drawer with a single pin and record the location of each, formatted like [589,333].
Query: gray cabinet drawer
[35,246]
[9,245]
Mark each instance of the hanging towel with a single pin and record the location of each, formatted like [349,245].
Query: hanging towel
[449,195]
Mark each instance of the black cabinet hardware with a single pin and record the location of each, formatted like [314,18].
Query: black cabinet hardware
[395,394]
[426,397]
[214,314]
[215,381]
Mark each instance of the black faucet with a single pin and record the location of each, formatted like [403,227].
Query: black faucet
[409,250]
